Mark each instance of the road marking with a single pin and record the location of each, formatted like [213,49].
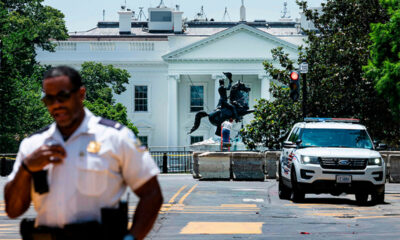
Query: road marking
[253,200]
[216,212]
[187,194]
[238,205]
[223,228]
[368,217]
[250,189]
[177,194]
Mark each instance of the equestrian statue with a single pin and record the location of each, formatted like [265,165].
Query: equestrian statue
[236,108]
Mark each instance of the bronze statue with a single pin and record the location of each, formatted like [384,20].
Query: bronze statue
[236,108]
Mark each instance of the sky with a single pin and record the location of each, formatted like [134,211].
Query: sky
[82,15]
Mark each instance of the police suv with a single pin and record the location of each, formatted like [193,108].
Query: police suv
[331,155]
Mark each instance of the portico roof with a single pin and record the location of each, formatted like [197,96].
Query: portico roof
[241,43]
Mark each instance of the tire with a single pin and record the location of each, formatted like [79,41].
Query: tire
[362,198]
[283,191]
[378,197]
[297,195]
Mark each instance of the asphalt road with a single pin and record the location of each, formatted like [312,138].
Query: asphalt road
[196,209]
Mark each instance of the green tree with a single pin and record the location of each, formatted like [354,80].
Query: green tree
[272,119]
[100,82]
[336,53]
[384,63]
[336,84]
[24,26]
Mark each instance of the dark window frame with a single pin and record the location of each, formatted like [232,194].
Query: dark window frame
[141,98]
[193,107]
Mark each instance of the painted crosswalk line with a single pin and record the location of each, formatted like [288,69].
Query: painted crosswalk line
[223,228]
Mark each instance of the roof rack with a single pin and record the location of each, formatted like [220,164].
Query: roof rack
[342,120]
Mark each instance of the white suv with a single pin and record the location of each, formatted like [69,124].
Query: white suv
[328,155]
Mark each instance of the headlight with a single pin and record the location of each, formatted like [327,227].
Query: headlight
[309,160]
[375,161]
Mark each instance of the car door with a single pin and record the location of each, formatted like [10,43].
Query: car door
[287,154]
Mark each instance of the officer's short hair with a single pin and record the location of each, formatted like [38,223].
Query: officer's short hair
[71,73]
[221,81]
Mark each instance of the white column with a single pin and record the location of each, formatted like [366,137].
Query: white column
[265,85]
[216,78]
[172,113]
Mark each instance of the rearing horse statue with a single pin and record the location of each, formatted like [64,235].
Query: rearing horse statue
[239,97]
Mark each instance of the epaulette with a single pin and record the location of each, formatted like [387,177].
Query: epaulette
[41,130]
[111,123]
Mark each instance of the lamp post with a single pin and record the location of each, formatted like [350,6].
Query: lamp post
[304,71]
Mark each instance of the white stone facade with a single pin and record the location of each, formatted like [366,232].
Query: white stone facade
[169,64]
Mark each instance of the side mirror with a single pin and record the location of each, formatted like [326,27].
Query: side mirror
[381,147]
[289,144]
[298,142]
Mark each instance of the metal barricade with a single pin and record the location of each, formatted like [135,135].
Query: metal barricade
[177,161]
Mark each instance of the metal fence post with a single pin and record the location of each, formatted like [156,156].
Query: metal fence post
[165,163]
[3,167]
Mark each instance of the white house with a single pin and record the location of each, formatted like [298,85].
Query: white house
[175,66]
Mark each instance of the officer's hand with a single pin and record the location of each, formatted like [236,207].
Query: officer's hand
[44,155]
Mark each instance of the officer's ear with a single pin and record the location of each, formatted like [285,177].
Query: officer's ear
[82,93]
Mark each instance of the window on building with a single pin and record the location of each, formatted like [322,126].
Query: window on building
[196,98]
[160,16]
[144,141]
[141,98]
[195,139]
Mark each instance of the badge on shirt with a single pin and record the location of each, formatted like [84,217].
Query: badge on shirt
[93,147]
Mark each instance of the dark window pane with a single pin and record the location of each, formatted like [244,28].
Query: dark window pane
[196,98]
[144,140]
[140,98]
[195,139]
[161,16]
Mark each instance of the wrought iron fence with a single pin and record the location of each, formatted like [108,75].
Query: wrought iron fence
[167,161]
[173,161]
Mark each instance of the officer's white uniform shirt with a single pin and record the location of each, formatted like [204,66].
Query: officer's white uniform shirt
[89,178]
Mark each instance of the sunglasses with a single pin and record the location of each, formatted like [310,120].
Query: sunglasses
[61,96]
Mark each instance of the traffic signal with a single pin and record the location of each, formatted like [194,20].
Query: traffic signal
[294,86]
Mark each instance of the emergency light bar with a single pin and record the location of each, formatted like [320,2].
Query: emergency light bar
[343,120]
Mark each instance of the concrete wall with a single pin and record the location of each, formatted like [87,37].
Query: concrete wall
[269,161]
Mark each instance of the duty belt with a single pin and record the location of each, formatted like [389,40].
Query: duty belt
[81,231]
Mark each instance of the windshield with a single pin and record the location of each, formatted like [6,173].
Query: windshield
[348,138]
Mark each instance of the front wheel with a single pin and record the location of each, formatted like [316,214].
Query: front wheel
[283,191]
[378,197]
[362,198]
[297,194]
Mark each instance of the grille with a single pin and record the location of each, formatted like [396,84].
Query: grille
[343,163]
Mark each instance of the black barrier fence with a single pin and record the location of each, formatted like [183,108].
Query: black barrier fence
[167,161]
[173,161]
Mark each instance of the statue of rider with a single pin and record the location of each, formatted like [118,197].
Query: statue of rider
[223,100]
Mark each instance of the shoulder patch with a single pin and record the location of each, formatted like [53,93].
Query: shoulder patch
[41,130]
[111,123]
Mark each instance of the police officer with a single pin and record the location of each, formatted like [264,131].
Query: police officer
[89,161]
